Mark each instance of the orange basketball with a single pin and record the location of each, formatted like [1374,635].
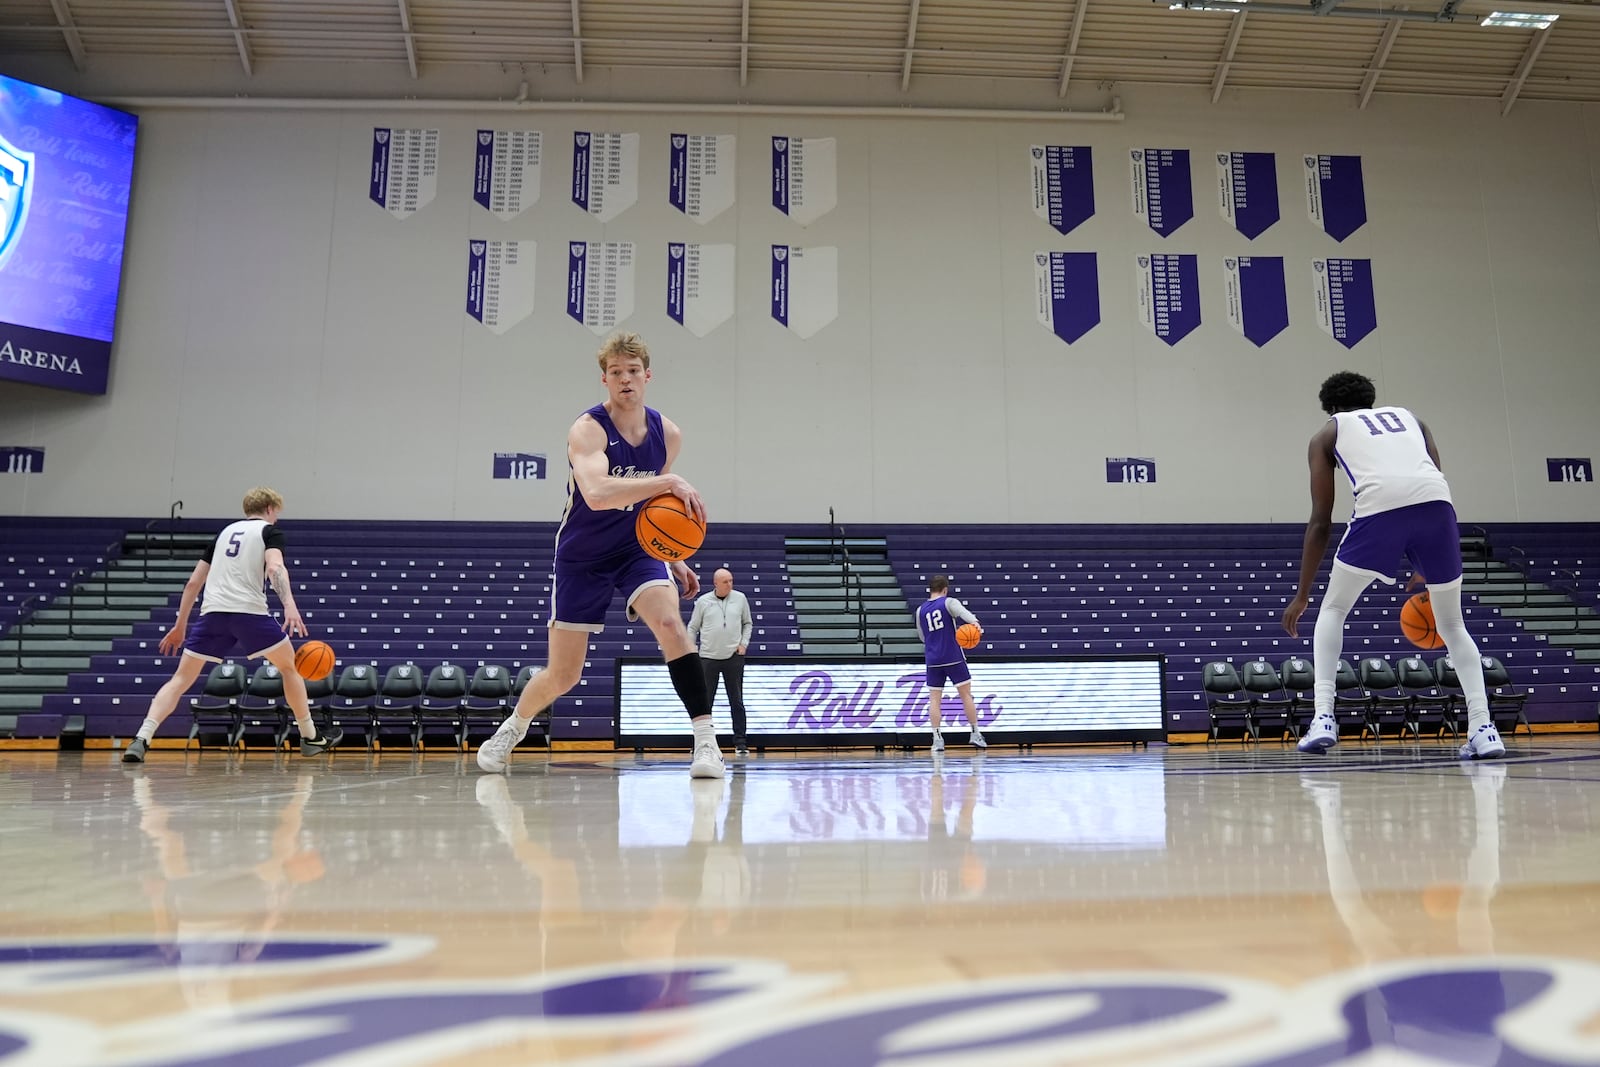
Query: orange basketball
[968,635]
[666,530]
[314,660]
[1416,620]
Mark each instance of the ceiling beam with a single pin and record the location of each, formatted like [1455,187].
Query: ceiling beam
[1379,58]
[911,41]
[744,42]
[577,40]
[411,40]
[238,35]
[69,30]
[1078,11]
[1235,30]
[1524,68]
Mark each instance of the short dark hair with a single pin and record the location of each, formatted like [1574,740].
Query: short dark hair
[938,584]
[1346,391]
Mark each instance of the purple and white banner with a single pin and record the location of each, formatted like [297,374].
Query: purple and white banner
[1247,186]
[701,176]
[405,169]
[700,286]
[805,287]
[885,697]
[506,170]
[1163,188]
[805,177]
[1130,470]
[1346,309]
[605,172]
[520,466]
[1063,184]
[1169,295]
[500,277]
[600,282]
[20,459]
[1335,195]
[1258,297]
[1067,293]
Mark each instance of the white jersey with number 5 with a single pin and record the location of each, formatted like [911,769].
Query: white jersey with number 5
[238,567]
[1384,453]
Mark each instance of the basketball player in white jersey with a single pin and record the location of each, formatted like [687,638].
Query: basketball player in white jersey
[245,555]
[1402,507]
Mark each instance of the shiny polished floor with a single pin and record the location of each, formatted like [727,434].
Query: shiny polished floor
[1183,906]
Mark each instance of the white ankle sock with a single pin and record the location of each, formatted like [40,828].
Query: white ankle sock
[307,728]
[147,730]
[705,731]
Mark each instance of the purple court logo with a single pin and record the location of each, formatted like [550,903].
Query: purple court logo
[721,1013]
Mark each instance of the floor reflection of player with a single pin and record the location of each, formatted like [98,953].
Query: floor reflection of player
[954,869]
[214,895]
[701,885]
[1435,1028]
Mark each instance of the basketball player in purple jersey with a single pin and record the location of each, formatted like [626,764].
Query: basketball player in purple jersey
[245,556]
[1402,507]
[621,454]
[947,662]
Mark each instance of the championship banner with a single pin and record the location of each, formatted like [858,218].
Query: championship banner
[1335,195]
[1169,295]
[500,282]
[700,286]
[1163,188]
[701,174]
[805,287]
[1247,186]
[605,172]
[405,169]
[1346,308]
[1063,185]
[1083,698]
[1258,298]
[1067,293]
[805,177]
[506,170]
[600,282]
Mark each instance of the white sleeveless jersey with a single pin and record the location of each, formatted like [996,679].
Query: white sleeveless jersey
[1384,453]
[238,568]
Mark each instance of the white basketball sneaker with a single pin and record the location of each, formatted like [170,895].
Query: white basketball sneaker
[495,753]
[707,762]
[977,739]
[1321,735]
[1484,743]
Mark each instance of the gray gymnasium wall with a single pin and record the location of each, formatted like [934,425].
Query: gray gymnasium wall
[277,327]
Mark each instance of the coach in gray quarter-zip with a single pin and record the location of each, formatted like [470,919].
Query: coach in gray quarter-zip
[721,627]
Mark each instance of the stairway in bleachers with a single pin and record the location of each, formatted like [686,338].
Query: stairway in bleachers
[847,598]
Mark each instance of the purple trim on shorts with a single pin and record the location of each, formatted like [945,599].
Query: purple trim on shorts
[218,633]
[1426,534]
[941,674]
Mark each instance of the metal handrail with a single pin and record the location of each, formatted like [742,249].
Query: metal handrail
[1572,596]
[25,611]
[107,554]
[174,512]
[1527,565]
[861,612]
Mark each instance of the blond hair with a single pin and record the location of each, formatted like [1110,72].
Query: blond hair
[627,346]
[260,499]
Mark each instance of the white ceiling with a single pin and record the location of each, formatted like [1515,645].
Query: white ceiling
[1038,50]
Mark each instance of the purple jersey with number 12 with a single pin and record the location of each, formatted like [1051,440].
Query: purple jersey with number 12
[937,628]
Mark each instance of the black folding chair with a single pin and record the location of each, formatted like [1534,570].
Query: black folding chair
[1270,703]
[395,706]
[1227,704]
[440,705]
[350,706]
[1300,682]
[262,708]
[218,704]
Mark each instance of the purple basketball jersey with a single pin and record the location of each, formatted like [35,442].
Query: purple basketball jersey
[938,631]
[587,534]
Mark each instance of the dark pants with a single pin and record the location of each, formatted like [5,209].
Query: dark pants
[731,669]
